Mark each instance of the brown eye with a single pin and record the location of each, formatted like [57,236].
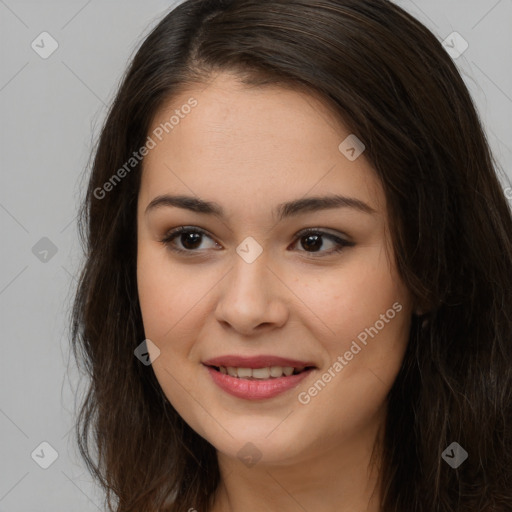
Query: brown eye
[314,241]
[189,238]
[185,239]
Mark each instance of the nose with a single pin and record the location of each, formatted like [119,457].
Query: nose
[252,298]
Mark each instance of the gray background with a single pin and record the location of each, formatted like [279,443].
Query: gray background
[51,111]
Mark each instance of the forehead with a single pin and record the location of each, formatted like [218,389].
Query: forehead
[228,111]
[253,141]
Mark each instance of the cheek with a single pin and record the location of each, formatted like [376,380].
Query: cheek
[368,313]
[167,307]
[345,302]
[167,293]
[161,308]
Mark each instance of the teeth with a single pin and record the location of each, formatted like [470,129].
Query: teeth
[260,373]
[276,371]
[243,373]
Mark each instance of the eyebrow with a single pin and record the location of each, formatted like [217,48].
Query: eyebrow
[283,210]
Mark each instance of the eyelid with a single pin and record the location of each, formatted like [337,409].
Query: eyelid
[175,232]
[342,241]
[325,231]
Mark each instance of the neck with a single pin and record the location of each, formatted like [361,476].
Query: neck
[341,477]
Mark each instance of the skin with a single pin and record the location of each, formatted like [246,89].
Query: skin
[249,149]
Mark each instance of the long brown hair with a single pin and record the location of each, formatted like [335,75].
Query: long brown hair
[390,80]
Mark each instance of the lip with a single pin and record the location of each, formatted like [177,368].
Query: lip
[261,361]
[256,389]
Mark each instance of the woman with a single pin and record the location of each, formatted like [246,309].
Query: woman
[343,340]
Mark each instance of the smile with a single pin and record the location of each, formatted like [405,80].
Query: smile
[257,383]
[269,372]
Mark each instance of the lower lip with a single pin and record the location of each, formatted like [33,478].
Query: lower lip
[256,389]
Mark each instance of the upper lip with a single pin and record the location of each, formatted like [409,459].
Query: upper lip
[262,361]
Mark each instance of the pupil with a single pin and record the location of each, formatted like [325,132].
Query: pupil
[192,238]
[309,242]
[316,244]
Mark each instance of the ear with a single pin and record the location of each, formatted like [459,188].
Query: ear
[422,316]
[422,308]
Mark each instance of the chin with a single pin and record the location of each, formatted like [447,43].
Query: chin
[265,439]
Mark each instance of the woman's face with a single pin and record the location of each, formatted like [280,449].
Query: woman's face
[254,285]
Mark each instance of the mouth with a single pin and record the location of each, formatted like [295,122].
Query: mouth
[257,378]
[264,373]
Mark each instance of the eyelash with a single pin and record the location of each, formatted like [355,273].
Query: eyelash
[174,233]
